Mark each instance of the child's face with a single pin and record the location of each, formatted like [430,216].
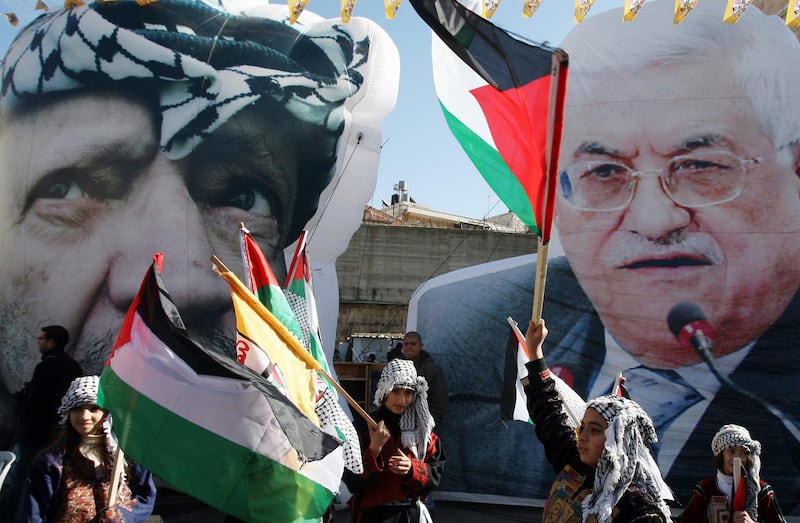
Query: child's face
[734,452]
[87,419]
[398,400]
[591,437]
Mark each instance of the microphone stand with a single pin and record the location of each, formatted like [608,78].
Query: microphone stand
[701,343]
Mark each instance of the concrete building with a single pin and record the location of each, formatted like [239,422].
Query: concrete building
[399,247]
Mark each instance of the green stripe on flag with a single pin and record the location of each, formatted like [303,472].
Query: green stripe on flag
[493,169]
[227,476]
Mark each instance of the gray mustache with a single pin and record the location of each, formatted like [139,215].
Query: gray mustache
[674,244]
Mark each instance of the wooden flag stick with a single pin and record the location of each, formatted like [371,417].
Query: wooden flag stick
[539,281]
[284,334]
[116,476]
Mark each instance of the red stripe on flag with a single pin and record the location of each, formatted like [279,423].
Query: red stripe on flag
[520,140]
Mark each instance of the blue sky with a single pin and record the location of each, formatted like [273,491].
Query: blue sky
[418,146]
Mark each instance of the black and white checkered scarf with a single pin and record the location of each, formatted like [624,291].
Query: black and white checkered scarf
[208,65]
[626,459]
[416,422]
[729,436]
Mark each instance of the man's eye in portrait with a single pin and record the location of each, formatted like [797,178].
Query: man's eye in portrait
[241,195]
[75,187]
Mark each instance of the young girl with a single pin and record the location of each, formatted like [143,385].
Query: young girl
[604,474]
[711,498]
[403,459]
[69,481]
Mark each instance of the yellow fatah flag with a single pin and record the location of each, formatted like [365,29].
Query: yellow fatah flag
[296,9]
[489,7]
[12,18]
[391,8]
[347,9]
[631,9]
[581,9]
[793,14]
[530,7]
[68,4]
[267,347]
[682,8]
[734,10]
[41,6]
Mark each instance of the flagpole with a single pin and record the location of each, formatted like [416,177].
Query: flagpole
[555,112]
[539,281]
[116,476]
[284,334]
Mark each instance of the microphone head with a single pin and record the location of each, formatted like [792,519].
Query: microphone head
[682,314]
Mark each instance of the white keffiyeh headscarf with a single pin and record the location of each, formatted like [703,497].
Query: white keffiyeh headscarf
[205,65]
[83,391]
[416,423]
[729,436]
[626,458]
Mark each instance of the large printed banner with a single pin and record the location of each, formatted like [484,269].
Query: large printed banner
[678,181]
[128,130]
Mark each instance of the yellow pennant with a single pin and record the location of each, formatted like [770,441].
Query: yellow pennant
[631,9]
[735,10]
[145,2]
[581,9]
[296,9]
[530,7]
[347,9]
[41,6]
[793,14]
[12,19]
[68,4]
[489,7]
[391,8]
[682,8]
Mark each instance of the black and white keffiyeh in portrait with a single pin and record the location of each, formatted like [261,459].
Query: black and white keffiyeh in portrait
[626,458]
[208,65]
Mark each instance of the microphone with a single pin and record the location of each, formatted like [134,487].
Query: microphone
[688,324]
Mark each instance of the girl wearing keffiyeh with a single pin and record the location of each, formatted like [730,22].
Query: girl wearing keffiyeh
[69,482]
[605,470]
[711,500]
[403,458]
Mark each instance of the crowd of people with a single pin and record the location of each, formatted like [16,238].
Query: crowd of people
[606,469]
[604,466]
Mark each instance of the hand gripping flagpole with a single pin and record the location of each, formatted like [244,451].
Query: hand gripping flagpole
[555,122]
[286,336]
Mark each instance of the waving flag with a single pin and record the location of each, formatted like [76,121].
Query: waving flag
[261,280]
[210,427]
[513,405]
[503,99]
[300,293]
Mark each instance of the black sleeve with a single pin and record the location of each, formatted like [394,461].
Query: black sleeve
[552,428]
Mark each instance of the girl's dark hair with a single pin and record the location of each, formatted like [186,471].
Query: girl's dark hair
[67,442]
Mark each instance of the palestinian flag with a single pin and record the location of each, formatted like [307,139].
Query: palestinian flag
[513,400]
[300,293]
[504,101]
[209,426]
[513,403]
[261,280]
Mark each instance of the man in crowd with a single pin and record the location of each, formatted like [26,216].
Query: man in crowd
[128,130]
[423,362]
[678,181]
[39,399]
